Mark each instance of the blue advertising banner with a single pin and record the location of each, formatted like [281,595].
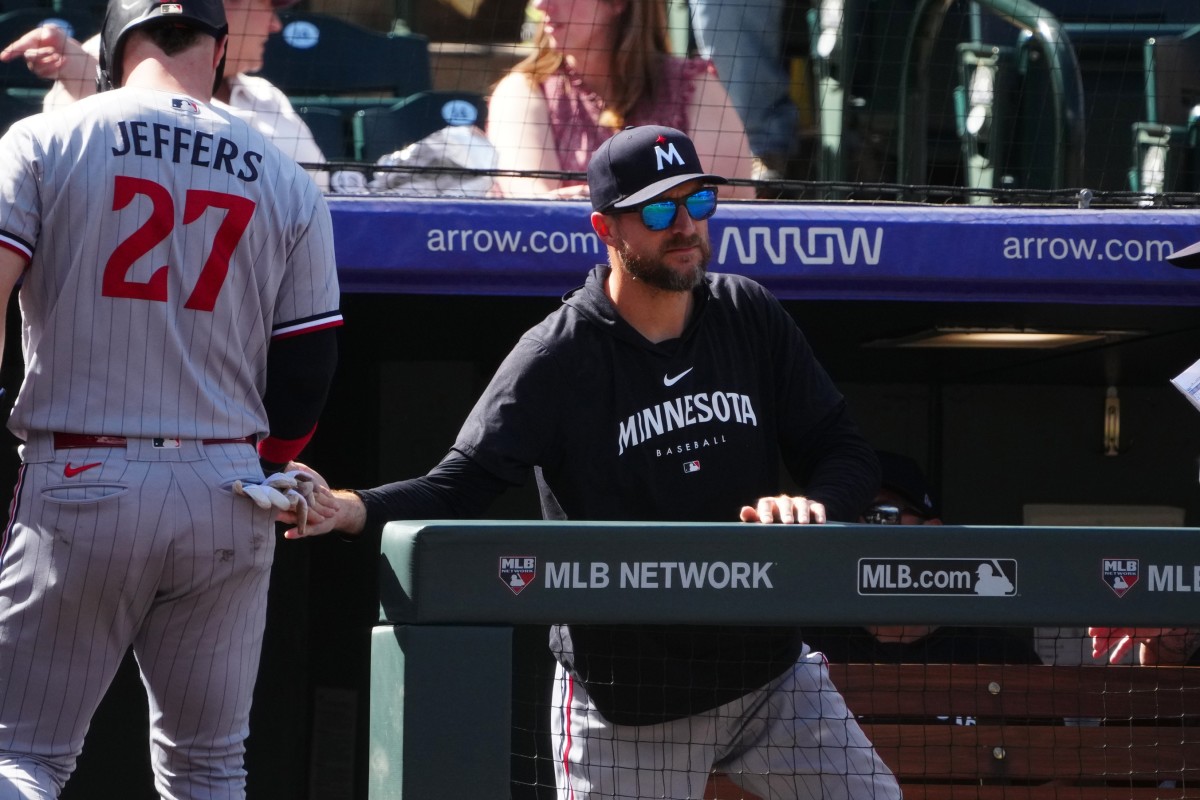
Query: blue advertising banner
[846,252]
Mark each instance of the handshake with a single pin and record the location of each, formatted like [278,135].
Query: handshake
[290,491]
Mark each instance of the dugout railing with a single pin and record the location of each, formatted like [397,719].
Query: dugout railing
[451,592]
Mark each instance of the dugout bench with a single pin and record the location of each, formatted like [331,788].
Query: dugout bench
[1038,734]
[450,592]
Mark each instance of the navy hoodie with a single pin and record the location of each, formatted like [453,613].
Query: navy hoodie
[690,429]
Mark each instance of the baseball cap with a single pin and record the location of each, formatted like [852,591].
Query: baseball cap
[903,476]
[123,16]
[640,163]
[1188,257]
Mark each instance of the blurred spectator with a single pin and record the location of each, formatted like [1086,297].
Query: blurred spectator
[744,40]
[904,498]
[599,66]
[905,488]
[1071,646]
[51,53]
[1147,646]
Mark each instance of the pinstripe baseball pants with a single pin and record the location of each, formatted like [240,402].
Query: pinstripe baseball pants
[142,545]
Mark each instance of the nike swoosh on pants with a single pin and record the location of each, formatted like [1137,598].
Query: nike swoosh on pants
[71,472]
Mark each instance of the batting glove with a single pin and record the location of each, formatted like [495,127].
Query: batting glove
[284,491]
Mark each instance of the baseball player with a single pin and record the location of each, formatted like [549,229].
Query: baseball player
[660,392]
[179,305]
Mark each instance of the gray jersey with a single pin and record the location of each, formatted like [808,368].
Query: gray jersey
[159,308]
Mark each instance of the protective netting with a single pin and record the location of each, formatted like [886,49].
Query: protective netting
[956,712]
[1073,102]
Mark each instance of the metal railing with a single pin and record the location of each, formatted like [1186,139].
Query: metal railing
[1046,35]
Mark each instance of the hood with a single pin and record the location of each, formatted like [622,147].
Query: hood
[592,302]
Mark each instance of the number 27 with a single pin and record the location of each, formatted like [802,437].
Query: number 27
[158,227]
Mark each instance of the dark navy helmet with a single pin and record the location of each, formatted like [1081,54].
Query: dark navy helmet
[124,16]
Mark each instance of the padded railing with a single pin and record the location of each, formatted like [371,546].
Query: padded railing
[450,593]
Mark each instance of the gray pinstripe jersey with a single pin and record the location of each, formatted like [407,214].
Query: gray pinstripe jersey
[193,242]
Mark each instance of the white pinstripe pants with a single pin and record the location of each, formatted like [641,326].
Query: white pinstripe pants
[793,739]
[142,548]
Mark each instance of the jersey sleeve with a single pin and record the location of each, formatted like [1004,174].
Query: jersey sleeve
[309,295]
[20,202]
[303,352]
[456,488]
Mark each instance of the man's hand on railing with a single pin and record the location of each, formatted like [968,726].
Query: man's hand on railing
[786,509]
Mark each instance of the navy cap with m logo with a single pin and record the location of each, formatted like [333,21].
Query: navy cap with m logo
[640,163]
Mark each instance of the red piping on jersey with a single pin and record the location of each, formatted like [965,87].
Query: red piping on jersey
[281,451]
[287,333]
[8,244]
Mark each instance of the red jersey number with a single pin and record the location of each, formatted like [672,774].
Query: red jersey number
[238,212]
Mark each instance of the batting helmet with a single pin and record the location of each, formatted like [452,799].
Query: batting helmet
[123,16]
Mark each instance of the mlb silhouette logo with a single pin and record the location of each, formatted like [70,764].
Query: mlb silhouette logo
[518,572]
[185,104]
[1120,574]
[691,466]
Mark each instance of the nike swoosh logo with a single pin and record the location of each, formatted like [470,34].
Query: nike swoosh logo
[71,472]
[669,381]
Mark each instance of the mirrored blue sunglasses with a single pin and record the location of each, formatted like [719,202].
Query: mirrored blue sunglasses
[660,215]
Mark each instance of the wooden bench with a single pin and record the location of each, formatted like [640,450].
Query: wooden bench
[1021,745]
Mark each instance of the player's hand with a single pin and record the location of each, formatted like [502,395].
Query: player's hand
[317,478]
[45,50]
[785,509]
[331,510]
[1155,645]
[287,492]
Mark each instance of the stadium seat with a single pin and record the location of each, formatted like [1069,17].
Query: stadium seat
[328,126]
[1163,146]
[378,131]
[1160,158]
[983,106]
[857,49]
[318,54]
[1114,99]
[333,69]
[1172,70]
